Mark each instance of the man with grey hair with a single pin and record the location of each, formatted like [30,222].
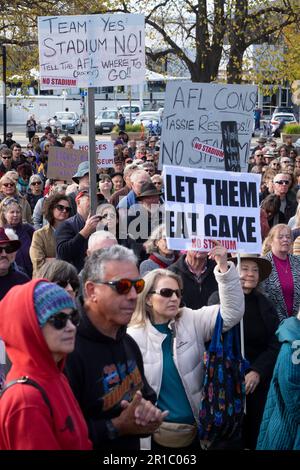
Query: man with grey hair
[138,178]
[99,240]
[106,369]
[128,171]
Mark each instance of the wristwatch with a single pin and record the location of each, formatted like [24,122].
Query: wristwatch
[112,432]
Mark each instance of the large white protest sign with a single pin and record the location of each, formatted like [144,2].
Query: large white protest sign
[104,152]
[194,115]
[205,205]
[91,50]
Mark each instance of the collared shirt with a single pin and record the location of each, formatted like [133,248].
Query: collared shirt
[197,274]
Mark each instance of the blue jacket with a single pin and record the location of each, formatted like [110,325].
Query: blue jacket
[280,427]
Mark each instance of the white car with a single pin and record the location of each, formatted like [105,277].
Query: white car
[151,120]
[135,111]
[106,120]
[278,121]
[67,121]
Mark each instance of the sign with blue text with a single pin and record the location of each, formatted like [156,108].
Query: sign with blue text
[206,205]
[91,50]
[196,119]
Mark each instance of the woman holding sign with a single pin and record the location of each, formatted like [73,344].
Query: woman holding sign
[172,341]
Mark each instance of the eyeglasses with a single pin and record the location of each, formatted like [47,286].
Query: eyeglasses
[124,286]
[166,292]
[62,208]
[74,284]
[59,320]
[6,158]
[36,183]
[9,185]
[282,182]
[259,155]
[7,249]
[30,146]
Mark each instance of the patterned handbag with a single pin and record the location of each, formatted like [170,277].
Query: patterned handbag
[223,396]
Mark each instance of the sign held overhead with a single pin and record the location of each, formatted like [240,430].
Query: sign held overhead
[203,205]
[200,117]
[91,50]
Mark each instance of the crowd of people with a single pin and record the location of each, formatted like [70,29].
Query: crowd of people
[103,328]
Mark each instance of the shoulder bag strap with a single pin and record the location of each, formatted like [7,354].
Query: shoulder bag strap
[27,381]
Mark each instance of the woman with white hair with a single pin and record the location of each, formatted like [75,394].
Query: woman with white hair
[160,255]
[35,190]
[172,341]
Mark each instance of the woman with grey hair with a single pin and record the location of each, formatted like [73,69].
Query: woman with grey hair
[34,191]
[160,255]
[172,341]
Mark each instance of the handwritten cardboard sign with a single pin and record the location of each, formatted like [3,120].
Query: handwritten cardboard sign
[104,152]
[91,50]
[194,112]
[63,163]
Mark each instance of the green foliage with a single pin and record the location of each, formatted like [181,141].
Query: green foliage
[133,128]
[291,129]
[129,128]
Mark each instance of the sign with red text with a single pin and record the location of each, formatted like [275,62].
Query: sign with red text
[104,152]
[192,124]
[91,50]
[206,205]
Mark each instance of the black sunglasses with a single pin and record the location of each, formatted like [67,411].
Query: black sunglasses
[62,208]
[166,292]
[36,183]
[8,249]
[73,284]
[282,182]
[124,286]
[59,320]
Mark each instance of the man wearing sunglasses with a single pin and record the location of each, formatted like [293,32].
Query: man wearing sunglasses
[5,161]
[9,275]
[106,369]
[72,235]
[288,203]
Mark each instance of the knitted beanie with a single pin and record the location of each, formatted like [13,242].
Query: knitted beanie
[49,299]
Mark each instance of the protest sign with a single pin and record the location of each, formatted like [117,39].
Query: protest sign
[205,205]
[231,146]
[104,152]
[192,119]
[63,163]
[91,50]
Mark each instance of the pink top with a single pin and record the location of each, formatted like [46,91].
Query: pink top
[286,280]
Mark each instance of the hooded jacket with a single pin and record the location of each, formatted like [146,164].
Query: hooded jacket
[102,372]
[280,427]
[25,419]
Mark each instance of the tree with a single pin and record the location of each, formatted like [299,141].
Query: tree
[200,33]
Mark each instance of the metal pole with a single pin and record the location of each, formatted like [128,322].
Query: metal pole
[4,91]
[129,95]
[92,149]
[241,323]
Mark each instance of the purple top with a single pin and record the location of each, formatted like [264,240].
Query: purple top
[286,280]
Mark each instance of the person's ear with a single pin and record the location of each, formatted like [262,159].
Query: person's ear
[89,288]
[149,300]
